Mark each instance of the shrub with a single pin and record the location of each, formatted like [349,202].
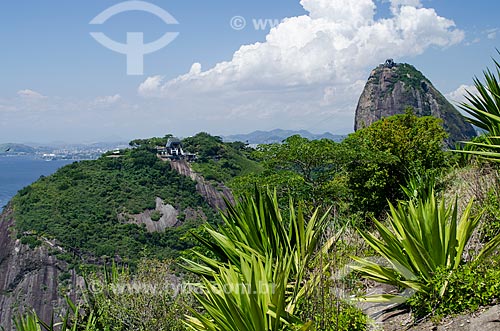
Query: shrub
[156,215]
[424,237]
[468,288]
[146,300]
[31,241]
[491,218]
[73,320]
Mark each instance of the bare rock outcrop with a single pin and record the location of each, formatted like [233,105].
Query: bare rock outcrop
[30,279]
[487,319]
[392,87]
[168,217]
[213,194]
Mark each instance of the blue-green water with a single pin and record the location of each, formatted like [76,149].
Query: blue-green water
[17,172]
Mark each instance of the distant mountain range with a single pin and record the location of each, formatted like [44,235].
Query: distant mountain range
[16,149]
[61,151]
[254,138]
[278,135]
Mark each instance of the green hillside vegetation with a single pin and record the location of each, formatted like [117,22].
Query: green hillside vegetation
[80,205]
[220,161]
[411,76]
[322,224]
[216,160]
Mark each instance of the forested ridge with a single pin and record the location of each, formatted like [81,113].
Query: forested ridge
[317,226]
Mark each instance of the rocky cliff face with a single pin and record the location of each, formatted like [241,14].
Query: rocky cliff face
[213,195]
[392,87]
[30,279]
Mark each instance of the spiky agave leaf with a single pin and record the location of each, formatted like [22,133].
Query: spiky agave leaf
[422,237]
[256,245]
[255,226]
[252,298]
[29,322]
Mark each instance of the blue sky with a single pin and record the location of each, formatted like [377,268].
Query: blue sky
[59,84]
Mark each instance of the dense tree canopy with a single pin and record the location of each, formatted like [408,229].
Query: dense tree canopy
[81,204]
[311,171]
[387,153]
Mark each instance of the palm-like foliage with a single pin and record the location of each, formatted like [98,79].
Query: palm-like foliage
[422,237]
[259,268]
[251,298]
[255,226]
[76,322]
[420,186]
[484,109]
[28,322]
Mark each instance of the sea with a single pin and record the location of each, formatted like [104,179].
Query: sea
[17,172]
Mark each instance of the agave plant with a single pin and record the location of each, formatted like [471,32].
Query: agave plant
[256,248]
[420,186]
[31,322]
[28,322]
[422,237]
[256,223]
[255,226]
[251,298]
[484,111]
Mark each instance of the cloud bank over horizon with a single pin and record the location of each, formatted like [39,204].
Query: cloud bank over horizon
[305,73]
[313,64]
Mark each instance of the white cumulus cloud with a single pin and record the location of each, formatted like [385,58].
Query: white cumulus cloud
[30,94]
[150,86]
[458,96]
[311,61]
[491,33]
[108,100]
[397,4]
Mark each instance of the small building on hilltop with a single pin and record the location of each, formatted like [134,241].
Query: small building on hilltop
[173,151]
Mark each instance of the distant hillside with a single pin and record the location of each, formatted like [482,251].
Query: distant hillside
[11,148]
[123,206]
[278,135]
[91,206]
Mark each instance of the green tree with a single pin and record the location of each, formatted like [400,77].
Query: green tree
[311,171]
[388,153]
[150,142]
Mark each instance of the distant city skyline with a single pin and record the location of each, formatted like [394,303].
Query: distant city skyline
[233,67]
